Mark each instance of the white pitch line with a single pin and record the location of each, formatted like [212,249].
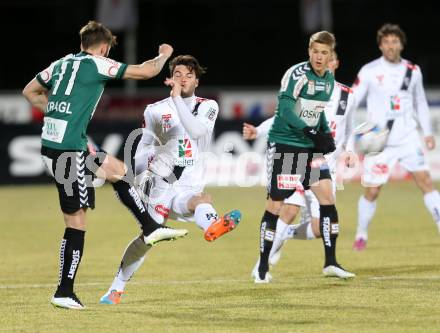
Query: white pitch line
[88,284]
[409,278]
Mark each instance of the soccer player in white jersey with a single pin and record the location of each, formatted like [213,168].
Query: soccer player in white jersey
[339,114]
[393,88]
[68,91]
[177,131]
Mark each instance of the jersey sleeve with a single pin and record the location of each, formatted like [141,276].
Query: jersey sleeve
[109,69]
[264,127]
[360,87]
[45,77]
[291,87]
[147,127]
[207,113]
[421,104]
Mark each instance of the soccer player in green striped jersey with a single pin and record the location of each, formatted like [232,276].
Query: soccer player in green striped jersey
[68,92]
[297,141]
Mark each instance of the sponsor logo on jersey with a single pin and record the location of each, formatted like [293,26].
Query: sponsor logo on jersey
[310,114]
[343,105]
[185,154]
[113,70]
[288,182]
[395,103]
[183,162]
[380,79]
[309,110]
[54,129]
[185,148]
[211,114]
[328,88]
[162,210]
[75,261]
[166,121]
[320,85]
[311,87]
[45,76]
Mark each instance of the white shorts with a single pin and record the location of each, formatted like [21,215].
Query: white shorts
[169,201]
[409,155]
[308,202]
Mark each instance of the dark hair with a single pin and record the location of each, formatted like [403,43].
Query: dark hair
[190,62]
[391,29]
[94,33]
[323,37]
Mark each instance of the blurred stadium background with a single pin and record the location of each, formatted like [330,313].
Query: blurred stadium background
[246,46]
[192,285]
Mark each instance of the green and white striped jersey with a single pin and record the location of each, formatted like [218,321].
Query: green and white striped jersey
[75,83]
[301,102]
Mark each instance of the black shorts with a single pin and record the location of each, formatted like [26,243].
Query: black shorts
[74,172]
[288,167]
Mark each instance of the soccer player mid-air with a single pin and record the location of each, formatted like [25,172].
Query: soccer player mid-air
[169,166]
[68,92]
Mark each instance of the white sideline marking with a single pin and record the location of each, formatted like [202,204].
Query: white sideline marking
[397,277]
[88,284]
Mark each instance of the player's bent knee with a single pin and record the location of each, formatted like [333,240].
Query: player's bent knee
[372,193]
[75,220]
[289,212]
[274,207]
[201,198]
[113,169]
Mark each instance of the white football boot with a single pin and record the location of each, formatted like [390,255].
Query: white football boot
[69,302]
[256,276]
[164,234]
[337,271]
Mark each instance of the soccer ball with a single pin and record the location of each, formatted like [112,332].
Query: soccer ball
[370,138]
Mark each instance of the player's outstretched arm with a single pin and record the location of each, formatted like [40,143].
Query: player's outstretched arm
[249,132]
[149,68]
[36,94]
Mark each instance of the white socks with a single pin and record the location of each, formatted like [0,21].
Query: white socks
[366,210]
[278,239]
[302,231]
[432,202]
[132,259]
[204,215]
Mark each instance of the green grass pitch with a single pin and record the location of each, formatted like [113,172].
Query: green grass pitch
[194,286]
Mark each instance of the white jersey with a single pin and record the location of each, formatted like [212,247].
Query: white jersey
[173,141]
[339,114]
[394,92]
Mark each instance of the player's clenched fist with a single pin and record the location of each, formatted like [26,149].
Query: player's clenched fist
[249,131]
[166,50]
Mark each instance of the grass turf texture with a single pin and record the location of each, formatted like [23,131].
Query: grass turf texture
[194,286]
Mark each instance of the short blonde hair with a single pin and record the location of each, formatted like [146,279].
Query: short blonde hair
[323,37]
